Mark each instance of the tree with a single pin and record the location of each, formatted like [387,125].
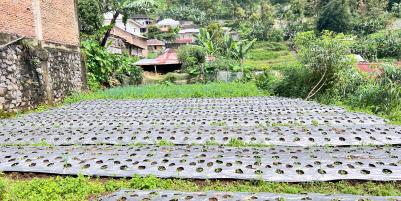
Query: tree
[323,56]
[205,39]
[90,16]
[370,16]
[336,16]
[193,58]
[154,32]
[126,8]
[241,50]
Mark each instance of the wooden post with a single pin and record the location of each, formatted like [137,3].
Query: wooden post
[155,69]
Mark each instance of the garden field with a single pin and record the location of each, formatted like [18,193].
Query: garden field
[235,144]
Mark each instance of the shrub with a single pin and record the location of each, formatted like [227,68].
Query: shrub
[221,63]
[364,25]
[381,95]
[275,35]
[107,69]
[2,188]
[323,57]
[296,83]
[268,81]
[379,45]
[335,16]
[193,58]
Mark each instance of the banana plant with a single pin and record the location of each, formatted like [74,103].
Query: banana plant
[241,50]
[205,40]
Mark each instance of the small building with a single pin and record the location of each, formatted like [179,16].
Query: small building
[235,35]
[144,20]
[188,25]
[155,45]
[167,62]
[166,24]
[126,37]
[124,42]
[188,33]
[133,27]
[180,42]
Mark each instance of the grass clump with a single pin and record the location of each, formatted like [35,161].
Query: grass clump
[83,188]
[212,90]
[164,143]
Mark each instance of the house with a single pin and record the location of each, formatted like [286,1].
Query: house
[167,62]
[179,42]
[235,35]
[126,38]
[166,24]
[188,25]
[189,33]
[123,42]
[53,69]
[155,45]
[133,27]
[144,20]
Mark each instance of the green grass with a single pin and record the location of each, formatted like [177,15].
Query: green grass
[267,54]
[394,117]
[212,90]
[83,188]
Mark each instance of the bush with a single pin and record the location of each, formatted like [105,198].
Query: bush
[2,188]
[225,64]
[193,58]
[323,57]
[275,35]
[379,45]
[364,25]
[295,82]
[385,94]
[335,16]
[106,69]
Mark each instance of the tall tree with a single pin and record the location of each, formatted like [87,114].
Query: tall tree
[90,16]
[335,16]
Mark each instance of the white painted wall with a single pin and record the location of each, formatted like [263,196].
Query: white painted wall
[131,27]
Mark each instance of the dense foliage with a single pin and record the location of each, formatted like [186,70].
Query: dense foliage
[193,60]
[106,69]
[328,74]
[335,16]
[383,44]
[90,16]
[155,33]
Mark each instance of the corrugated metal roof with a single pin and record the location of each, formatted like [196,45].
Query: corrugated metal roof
[155,42]
[169,57]
[184,40]
[183,31]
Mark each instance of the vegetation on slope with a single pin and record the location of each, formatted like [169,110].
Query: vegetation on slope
[83,188]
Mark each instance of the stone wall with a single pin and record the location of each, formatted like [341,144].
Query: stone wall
[33,73]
